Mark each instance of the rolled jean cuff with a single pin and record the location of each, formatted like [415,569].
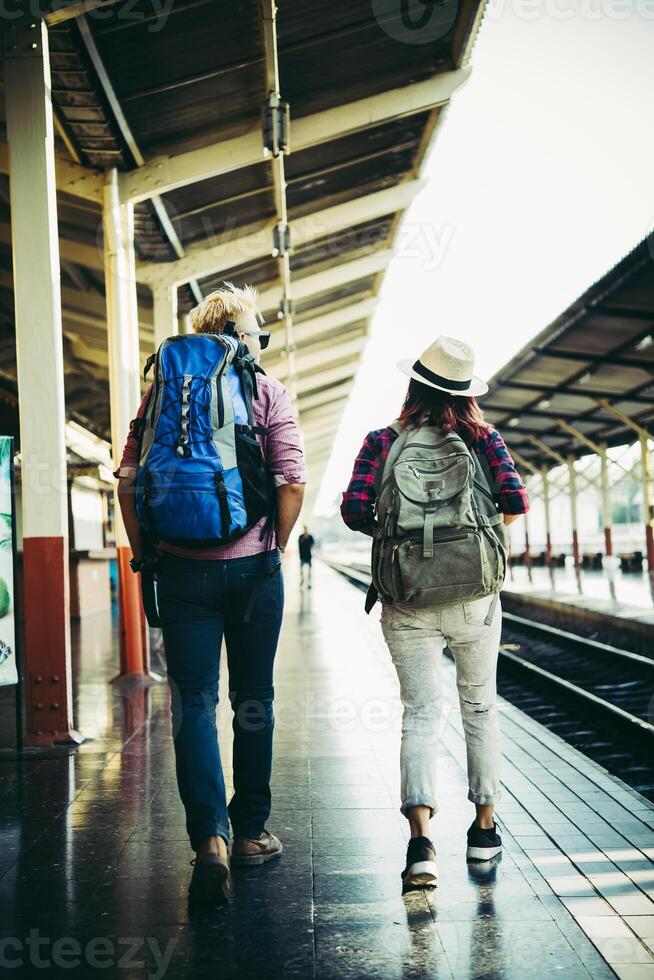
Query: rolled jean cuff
[433,807]
[197,839]
[484,799]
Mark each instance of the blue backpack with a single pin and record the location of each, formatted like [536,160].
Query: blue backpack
[201,479]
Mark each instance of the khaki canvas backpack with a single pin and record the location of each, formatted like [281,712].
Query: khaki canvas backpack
[439,537]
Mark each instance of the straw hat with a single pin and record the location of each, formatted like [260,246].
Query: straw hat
[448,366]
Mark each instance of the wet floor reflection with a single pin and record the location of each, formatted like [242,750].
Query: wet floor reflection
[94,846]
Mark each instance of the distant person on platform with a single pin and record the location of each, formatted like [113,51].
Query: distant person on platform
[305,543]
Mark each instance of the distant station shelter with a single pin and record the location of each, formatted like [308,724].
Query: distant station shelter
[580,388]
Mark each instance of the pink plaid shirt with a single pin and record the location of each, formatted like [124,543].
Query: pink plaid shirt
[282,451]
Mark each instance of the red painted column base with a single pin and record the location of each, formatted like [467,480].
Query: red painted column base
[133,648]
[548,550]
[47,663]
[608,541]
[649,538]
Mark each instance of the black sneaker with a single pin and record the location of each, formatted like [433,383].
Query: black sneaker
[420,863]
[210,881]
[483,844]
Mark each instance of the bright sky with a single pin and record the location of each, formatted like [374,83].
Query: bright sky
[539,181]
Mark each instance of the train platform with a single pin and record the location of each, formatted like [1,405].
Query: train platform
[618,601]
[95,862]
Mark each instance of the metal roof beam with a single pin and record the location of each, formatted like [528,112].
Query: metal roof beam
[511,411]
[166,172]
[63,10]
[591,359]
[69,251]
[519,458]
[314,330]
[548,450]
[130,140]
[623,313]
[625,419]
[579,436]
[311,415]
[327,280]
[312,360]
[222,253]
[590,393]
[325,424]
[331,376]
[83,182]
[320,398]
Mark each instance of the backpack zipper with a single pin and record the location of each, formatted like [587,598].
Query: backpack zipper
[441,539]
[418,475]
[396,576]
[219,391]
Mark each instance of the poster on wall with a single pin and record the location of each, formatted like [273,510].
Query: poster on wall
[8,665]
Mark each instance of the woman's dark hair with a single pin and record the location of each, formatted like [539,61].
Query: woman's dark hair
[453,413]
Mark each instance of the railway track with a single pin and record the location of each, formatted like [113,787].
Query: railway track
[598,697]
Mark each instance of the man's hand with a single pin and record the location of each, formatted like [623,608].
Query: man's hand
[127,501]
[289,505]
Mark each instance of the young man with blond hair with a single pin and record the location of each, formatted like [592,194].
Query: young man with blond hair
[234,591]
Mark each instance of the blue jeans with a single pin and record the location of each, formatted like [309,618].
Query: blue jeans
[200,601]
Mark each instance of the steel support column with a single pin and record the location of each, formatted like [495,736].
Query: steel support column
[607,512]
[648,510]
[572,476]
[125,396]
[527,548]
[645,469]
[599,450]
[544,473]
[40,368]
[277,150]
[164,313]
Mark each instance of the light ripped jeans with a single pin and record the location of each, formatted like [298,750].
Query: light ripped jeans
[415,637]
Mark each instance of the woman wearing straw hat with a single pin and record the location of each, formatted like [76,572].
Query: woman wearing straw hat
[451,471]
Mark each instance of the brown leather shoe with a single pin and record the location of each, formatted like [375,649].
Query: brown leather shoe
[210,881]
[248,850]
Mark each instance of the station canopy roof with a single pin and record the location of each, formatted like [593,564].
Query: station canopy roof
[600,350]
[175,104]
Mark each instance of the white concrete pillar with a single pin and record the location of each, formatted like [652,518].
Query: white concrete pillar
[40,365]
[607,513]
[648,509]
[572,478]
[545,478]
[164,313]
[125,396]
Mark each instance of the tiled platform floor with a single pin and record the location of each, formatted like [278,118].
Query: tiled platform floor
[94,849]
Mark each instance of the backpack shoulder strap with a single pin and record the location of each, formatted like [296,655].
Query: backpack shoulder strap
[484,473]
[247,369]
[393,453]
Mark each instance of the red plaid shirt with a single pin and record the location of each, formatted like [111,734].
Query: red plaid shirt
[359,498]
